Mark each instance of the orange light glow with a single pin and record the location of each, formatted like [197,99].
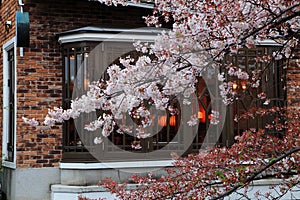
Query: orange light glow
[244,87]
[234,86]
[172,121]
[200,115]
[162,121]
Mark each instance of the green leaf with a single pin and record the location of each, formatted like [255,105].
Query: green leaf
[272,159]
[221,175]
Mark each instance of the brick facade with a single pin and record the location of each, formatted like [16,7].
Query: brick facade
[39,71]
[7,13]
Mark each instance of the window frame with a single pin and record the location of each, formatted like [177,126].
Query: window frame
[94,36]
[78,152]
[231,127]
[72,156]
[9,46]
[80,38]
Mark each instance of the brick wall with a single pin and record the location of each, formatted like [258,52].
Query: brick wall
[39,71]
[7,13]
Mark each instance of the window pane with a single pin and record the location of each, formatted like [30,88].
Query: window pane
[74,60]
[11,125]
[272,83]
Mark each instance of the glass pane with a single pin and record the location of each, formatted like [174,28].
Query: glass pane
[72,78]
[270,83]
[204,100]
[73,61]
[11,123]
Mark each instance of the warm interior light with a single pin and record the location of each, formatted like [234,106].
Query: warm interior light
[244,87]
[200,115]
[162,121]
[173,121]
[86,83]
[234,86]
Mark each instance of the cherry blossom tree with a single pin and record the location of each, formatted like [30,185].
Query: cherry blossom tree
[203,33]
[219,172]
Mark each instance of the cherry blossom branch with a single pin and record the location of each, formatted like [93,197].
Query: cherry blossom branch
[255,174]
[272,22]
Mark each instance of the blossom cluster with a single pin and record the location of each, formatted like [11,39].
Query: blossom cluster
[219,172]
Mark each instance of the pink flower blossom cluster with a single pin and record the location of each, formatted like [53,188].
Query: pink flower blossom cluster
[219,172]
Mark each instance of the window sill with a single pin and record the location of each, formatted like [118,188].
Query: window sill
[7,164]
[142,5]
[116,165]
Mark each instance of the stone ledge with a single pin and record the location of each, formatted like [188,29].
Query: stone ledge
[66,192]
[116,165]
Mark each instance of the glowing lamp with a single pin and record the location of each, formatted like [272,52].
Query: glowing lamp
[234,86]
[200,115]
[244,87]
[72,57]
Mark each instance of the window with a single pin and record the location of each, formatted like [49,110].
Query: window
[78,143]
[75,59]
[80,57]
[77,71]
[204,113]
[9,111]
[272,83]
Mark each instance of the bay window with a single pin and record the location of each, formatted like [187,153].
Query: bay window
[85,57]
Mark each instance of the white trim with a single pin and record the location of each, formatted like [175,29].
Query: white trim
[7,164]
[57,188]
[11,44]
[141,5]
[267,42]
[125,35]
[116,165]
[121,37]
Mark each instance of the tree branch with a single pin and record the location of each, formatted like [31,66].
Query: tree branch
[248,180]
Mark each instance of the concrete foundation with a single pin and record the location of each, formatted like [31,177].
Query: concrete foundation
[68,184]
[29,184]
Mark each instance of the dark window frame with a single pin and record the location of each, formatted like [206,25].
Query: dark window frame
[80,154]
[11,107]
[73,151]
[274,73]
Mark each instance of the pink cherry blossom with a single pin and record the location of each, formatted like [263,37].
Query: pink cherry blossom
[31,122]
